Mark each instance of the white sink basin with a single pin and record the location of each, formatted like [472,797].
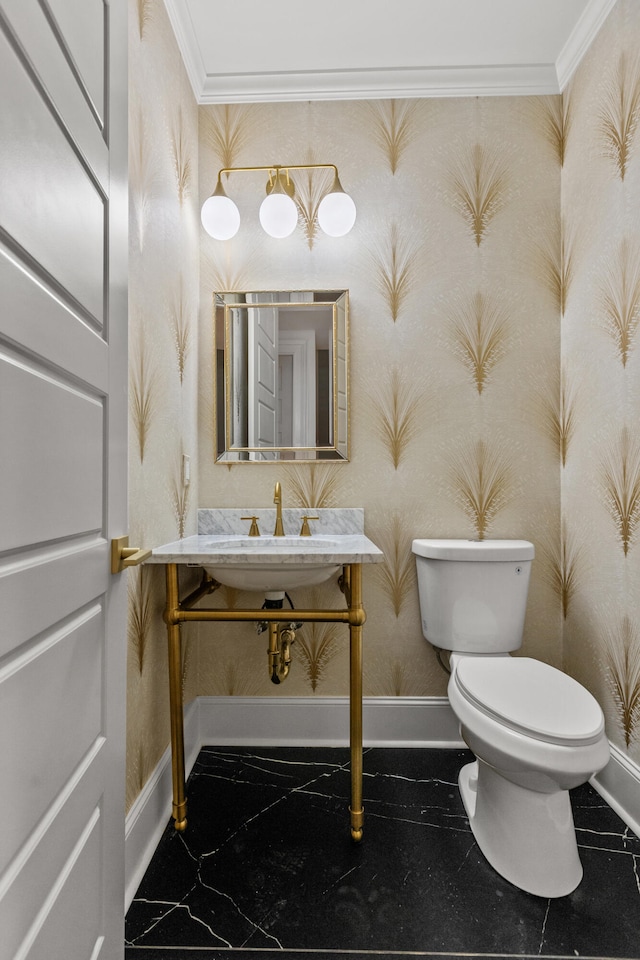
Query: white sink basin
[265,577]
[268,574]
[266,563]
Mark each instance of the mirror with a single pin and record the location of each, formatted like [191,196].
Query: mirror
[281,378]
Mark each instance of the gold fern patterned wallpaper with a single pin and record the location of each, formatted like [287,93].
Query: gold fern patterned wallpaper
[453,272]
[494,273]
[163,315]
[601,374]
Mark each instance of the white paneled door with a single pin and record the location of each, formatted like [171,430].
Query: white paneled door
[63,416]
[262,338]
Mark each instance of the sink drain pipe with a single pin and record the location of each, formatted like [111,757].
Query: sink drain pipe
[281,636]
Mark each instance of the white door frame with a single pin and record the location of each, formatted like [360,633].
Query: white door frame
[301,345]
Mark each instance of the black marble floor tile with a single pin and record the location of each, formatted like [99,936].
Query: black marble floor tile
[267,867]
[241,953]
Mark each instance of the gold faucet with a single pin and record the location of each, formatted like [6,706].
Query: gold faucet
[305,530]
[277,499]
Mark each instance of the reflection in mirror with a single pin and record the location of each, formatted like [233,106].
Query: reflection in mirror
[281,376]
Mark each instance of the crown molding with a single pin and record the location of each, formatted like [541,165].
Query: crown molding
[402,83]
[581,39]
[187,40]
[412,82]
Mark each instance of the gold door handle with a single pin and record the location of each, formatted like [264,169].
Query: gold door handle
[122,555]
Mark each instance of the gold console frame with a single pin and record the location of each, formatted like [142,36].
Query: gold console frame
[177,612]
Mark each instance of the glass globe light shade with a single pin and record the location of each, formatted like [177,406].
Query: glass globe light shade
[337,212]
[278,215]
[220,216]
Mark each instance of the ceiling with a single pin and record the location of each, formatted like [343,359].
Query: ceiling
[250,51]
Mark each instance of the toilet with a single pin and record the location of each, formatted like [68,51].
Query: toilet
[535,732]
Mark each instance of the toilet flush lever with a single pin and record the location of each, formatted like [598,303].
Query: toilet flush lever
[122,555]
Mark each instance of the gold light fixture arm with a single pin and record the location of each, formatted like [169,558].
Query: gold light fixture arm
[275,168]
[336,211]
[278,174]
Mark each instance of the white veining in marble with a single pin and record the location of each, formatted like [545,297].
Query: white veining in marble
[201,893]
[208,549]
[337,538]
[343,520]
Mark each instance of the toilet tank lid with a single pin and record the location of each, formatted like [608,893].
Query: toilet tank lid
[484,550]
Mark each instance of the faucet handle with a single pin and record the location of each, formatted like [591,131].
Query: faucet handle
[305,531]
[253,530]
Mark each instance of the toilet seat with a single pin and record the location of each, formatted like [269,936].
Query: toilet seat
[532,698]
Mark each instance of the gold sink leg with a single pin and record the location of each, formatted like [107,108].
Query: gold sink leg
[176,708]
[355,699]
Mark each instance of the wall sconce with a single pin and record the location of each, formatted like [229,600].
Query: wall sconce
[278,211]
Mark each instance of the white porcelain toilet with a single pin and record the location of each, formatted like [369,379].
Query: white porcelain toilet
[536,732]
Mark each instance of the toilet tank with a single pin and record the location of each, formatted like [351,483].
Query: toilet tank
[473,593]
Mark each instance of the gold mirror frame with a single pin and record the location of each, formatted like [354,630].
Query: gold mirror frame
[321,417]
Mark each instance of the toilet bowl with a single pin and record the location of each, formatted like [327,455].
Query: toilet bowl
[536,733]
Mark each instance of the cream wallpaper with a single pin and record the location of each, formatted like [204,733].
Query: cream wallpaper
[601,365]
[163,311]
[455,363]
[494,280]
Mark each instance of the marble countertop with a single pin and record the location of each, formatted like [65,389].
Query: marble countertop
[240,549]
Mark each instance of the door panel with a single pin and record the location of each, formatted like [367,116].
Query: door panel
[44,46]
[65,667]
[263,378]
[81,24]
[68,883]
[262,323]
[63,420]
[45,420]
[43,586]
[65,341]
[76,894]
[54,209]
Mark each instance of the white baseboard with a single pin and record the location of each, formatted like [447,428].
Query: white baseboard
[619,785]
[151,810]
[324,721]
[320,721]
